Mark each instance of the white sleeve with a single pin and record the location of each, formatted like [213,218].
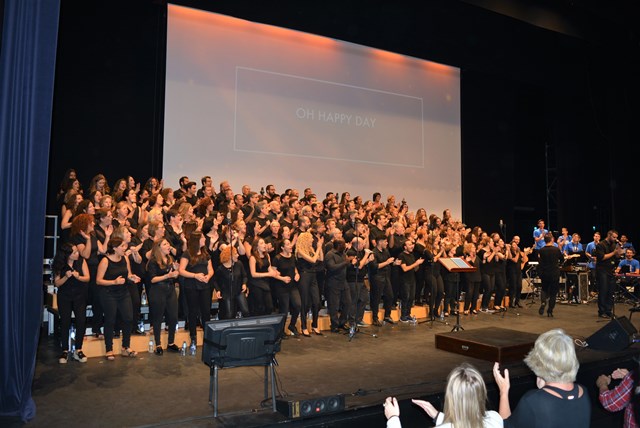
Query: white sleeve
[394,422]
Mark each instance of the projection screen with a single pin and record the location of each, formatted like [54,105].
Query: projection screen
[256,104]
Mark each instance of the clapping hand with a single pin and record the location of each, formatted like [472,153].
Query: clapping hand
[391,407]
[427,407]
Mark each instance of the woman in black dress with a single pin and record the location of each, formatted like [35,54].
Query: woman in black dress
[71,276]
[113,273]
[195,267]
[162,272]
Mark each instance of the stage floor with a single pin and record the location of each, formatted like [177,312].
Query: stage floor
[173,390]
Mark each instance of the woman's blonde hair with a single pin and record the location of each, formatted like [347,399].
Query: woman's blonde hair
[304,244]
[553,357]
[465,397]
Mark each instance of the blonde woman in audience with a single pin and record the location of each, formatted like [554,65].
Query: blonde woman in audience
[465,403]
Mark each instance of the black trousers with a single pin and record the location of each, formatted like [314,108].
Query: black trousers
[514,278]
[95,300]
[116,299]
[380,288]
[230,305]
[261,300]
[199,304]
[338,301]
[489,284]
[501,287]
[72,300]
[607,286]
[309,298]
[163,303]
[550,286]
[407,296]
[451,295]
[471,296]
[359,300]
[289,301]
[436,284]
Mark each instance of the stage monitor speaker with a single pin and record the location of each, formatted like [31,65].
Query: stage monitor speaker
[615,336]
[310,407]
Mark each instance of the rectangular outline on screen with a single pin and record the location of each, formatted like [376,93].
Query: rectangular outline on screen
[235,115]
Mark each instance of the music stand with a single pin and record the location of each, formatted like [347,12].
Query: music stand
[531,281]
[457,264]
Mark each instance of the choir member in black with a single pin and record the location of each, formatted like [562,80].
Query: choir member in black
[451,281]
[487,254]
[607,252]
[135,262]
[380,284]
[71,275]
[84,238]
[286,284]
[433,252]
[359,258]
[549,260]
[419,251]
[516,259]
[409,265]
[337,289]
[163,301]
[260,271]
[230,282]
[501,274]
[307,259]
[472,279]
[196,269]
[396,247]
[113,273]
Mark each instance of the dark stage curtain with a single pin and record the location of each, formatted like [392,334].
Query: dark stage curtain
[27,65]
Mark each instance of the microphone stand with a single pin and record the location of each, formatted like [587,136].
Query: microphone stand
[230,237]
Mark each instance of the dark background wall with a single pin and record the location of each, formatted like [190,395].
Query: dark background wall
[542,83]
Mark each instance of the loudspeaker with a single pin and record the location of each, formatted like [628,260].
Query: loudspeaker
[311,406]
[615,336]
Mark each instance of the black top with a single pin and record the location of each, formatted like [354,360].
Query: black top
[287,267]
[154,269]
[550,258]
[72,283]
[605,247]
[261,283]
[116,269]
[336,264]
[540,409]
[222,280]
[408,277]
[201,267]
[380,257]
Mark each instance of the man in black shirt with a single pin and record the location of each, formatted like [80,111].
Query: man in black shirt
[380,281]
[359,257]
[549,260]
[408,265]
[607,252]
[337,290]
[190,193]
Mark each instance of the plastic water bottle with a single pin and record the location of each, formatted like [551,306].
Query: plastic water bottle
[143,298]
[72,339]
[151,345]
[192,349]
[183,350]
